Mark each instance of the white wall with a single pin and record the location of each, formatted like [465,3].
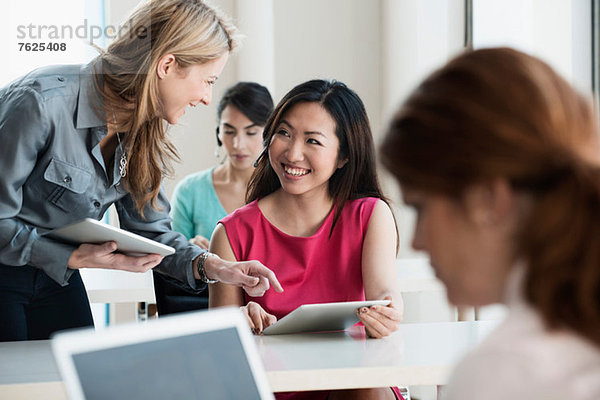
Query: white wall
[380,48]
[557,31]
[417,37]
[35,22]
[194,135]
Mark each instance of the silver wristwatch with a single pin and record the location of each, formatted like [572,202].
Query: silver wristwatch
[200,268]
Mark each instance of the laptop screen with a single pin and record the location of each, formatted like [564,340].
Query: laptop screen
[207,365]
[204,355]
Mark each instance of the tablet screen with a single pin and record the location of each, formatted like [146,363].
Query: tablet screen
[321,317]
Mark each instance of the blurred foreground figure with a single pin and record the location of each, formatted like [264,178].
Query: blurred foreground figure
[500,158]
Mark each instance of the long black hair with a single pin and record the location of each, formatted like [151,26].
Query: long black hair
[358,177]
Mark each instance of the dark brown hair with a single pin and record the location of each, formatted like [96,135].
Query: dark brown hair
[358,177]
[251,99]
[501,113]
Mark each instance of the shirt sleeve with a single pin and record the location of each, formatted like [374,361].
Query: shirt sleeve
[156,225]
[24,132]
[181,211]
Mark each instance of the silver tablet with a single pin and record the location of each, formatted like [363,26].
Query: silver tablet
[95,232]
[321,317]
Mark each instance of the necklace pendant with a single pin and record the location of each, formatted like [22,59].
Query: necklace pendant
[123,165]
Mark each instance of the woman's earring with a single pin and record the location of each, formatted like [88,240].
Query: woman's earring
[219,153]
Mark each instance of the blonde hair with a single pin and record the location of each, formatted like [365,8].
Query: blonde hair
[194,33]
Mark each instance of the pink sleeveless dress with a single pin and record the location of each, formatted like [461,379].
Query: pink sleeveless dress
[315,269]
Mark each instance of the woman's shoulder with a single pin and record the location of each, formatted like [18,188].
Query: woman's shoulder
[47,82]
[493,369]
[193,180]
[362,201]
[495,375]
[522,357]
[356,215]
[247,214]
[363,206]
[203,175]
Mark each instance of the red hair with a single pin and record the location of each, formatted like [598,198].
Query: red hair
[501,113]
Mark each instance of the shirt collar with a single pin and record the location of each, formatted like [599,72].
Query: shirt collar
[90,112]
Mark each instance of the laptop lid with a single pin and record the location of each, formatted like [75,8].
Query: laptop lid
[198,355]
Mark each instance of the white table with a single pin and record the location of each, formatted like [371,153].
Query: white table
[28,371]
[418,354]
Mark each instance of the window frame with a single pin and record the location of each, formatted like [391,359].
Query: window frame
[596,55]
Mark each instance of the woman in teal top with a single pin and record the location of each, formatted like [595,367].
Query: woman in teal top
[202,199]
[194,221]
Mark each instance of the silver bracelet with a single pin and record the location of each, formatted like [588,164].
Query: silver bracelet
[200,268]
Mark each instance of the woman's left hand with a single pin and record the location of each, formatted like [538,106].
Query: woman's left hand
[380,321]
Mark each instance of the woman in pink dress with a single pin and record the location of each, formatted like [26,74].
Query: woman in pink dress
[316,216]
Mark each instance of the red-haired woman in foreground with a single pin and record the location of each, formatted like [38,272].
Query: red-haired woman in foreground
[500,157]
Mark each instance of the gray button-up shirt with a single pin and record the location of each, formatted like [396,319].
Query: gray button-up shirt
[52,173]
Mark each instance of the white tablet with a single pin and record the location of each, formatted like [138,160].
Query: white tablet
[321,317]
[95,232]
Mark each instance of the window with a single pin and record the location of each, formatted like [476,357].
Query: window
[596,53]
[42,33]
[557,31]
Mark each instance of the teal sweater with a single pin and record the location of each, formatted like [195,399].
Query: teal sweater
[196,209]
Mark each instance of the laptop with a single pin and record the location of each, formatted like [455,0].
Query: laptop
[197,355]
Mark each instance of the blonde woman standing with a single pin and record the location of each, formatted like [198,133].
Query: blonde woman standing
[77,139]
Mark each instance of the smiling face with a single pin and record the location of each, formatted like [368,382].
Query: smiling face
[304,149]
[241,138]
[469,249]
[182,87]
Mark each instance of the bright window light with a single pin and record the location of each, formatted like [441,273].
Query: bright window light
[557,31]
[39,32]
